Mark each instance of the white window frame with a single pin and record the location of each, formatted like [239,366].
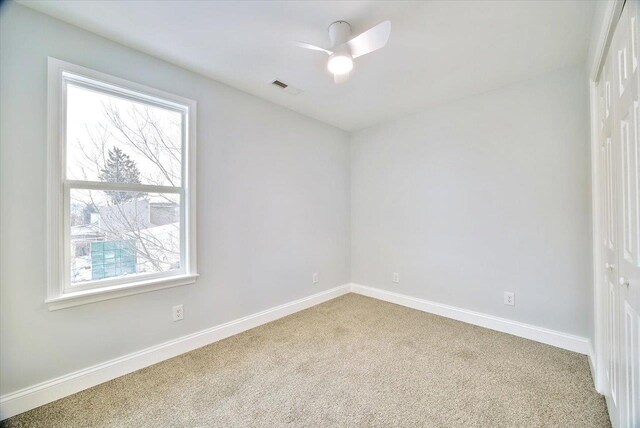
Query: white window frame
[60,293]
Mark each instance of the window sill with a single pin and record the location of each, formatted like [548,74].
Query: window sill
[90,296]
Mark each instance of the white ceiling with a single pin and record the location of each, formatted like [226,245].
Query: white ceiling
[438,50]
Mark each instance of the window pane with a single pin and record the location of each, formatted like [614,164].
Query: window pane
[115,139]
[116,234]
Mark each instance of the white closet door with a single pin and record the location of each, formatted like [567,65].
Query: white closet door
[609,226]
[627,145]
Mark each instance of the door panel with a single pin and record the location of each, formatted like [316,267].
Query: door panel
[626,142]
[631,331]
[619,212]
[612,342]
[609,214]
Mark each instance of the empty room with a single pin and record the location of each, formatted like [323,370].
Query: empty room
[319,213]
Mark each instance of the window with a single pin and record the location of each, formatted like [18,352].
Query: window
[121,187]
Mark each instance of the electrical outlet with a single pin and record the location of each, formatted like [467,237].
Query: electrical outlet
[316,278]
[396,277]
[178,312]
[509,298]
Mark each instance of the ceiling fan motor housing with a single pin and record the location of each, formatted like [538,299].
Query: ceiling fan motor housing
[339,33]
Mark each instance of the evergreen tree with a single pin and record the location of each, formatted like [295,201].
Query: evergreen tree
[119,168]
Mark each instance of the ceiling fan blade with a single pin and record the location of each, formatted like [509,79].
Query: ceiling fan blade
[312,47]
[371,40]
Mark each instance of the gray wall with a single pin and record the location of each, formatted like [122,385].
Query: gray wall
[273,207]
[479,196]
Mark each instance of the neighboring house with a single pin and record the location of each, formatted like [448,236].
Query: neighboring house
[82,236]
[140,235]
[137,214]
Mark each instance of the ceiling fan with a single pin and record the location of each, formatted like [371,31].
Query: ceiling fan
[344,48]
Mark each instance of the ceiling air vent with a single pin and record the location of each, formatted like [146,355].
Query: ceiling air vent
[291,90]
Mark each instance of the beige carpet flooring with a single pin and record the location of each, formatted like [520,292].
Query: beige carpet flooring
[350,362]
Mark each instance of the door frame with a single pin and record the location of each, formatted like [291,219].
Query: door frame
[597,349]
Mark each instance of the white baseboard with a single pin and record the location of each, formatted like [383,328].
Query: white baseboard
[54,389]
[527,331]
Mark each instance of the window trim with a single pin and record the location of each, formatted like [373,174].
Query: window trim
[59,294]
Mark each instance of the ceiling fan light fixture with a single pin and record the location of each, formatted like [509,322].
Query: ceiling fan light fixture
[344,48]
[340,63]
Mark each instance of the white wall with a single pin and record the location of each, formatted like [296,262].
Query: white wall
[466,200]
[479,196]
[273,207]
